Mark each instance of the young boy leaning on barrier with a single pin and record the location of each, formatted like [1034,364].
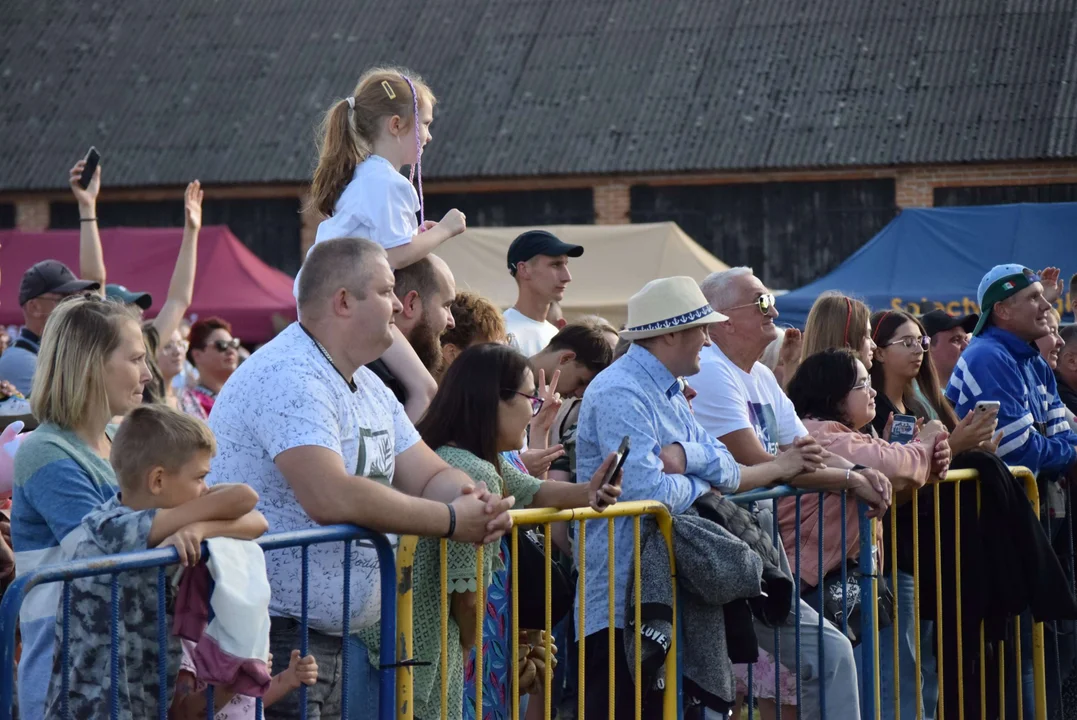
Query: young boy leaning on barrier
[161,458]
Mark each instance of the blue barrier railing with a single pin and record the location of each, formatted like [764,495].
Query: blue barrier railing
[867,608]
[160,559]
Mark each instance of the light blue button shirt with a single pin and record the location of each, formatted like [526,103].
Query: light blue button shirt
[638,397]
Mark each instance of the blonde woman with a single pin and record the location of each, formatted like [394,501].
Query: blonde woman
[91,368]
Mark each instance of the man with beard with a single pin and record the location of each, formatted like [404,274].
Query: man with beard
[426,290]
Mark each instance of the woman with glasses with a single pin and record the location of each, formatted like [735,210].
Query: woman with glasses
[215,355]
[833,394]
[482,409]
[905,379]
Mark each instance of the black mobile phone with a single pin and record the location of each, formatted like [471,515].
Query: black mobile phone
[622,455]
[92,159]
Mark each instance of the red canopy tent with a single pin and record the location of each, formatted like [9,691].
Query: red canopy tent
[230,280]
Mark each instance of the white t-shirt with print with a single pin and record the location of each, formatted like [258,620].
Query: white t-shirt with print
[378,204]
[287,395]
[528,336]
[730,399]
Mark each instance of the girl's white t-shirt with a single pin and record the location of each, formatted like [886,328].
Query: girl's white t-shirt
[379,204]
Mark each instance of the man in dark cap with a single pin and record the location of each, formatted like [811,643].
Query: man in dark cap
[539,262]
[950,336]
[43,286]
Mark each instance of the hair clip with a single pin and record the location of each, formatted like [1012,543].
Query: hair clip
[388,89]
[351,101]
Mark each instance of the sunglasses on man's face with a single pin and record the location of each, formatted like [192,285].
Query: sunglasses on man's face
[764,302]
[226,345]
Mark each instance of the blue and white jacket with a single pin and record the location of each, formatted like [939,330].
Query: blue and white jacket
[998,365]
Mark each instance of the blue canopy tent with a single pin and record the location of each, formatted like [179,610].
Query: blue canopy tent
[931,258]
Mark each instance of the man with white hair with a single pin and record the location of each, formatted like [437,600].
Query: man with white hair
[740,402]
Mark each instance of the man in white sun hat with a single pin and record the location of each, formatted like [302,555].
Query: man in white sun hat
[672,458]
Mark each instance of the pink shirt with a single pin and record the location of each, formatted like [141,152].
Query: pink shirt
[891,459]
[240,707]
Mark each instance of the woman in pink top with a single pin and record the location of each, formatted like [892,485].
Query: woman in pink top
[832,393]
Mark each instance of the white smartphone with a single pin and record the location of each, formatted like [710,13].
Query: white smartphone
[988,406]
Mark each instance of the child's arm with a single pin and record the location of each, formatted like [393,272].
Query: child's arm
[301,671]
[188,540]
[425,242]
[187,704]
[406,366]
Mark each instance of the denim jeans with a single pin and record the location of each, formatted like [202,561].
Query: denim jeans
[929,679]
[323,698]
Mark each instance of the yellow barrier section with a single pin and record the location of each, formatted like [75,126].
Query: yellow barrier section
[542,517]
[546,516]
[405,559]
[956,477]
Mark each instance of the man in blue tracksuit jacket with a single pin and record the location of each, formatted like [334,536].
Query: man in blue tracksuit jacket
[1002,363]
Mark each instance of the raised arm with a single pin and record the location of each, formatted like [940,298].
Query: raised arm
[181,288]
[91,257]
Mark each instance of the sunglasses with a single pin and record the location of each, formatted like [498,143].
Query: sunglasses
[226,345]
[764,302]
[911,343]
[536,402]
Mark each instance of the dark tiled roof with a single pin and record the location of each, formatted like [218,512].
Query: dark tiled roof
[230,91]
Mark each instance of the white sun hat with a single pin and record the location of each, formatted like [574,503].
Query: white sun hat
[668,305]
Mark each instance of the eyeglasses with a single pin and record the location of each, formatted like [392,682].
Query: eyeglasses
[911,343]
[861,386]
[764,302]
[176,347]
[536,402]
[226,345]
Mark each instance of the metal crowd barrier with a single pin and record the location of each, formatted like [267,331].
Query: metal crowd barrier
[544,517]
[871,681]
[161,559]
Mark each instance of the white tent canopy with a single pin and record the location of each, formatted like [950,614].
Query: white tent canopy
[617,261]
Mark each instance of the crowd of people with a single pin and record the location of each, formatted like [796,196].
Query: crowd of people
[401,404]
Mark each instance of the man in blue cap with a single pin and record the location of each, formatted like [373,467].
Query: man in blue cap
[1003,364]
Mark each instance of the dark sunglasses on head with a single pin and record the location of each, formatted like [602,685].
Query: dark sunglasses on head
[764,302]
[226,345]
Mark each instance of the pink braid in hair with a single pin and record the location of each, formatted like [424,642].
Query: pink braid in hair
[417,167]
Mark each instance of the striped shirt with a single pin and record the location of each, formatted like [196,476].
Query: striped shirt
[58,481]
[999,366]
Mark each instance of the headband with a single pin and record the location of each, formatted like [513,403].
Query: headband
[848,319]
[879,326]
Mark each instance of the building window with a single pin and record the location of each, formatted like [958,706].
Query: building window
[7,216]
[516,208]
[791,233]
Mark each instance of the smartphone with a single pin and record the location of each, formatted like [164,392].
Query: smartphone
[903,430]
[988,406]
[92,159]
[622,455]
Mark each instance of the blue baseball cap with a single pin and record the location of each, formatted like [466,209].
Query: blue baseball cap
[1001,282]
